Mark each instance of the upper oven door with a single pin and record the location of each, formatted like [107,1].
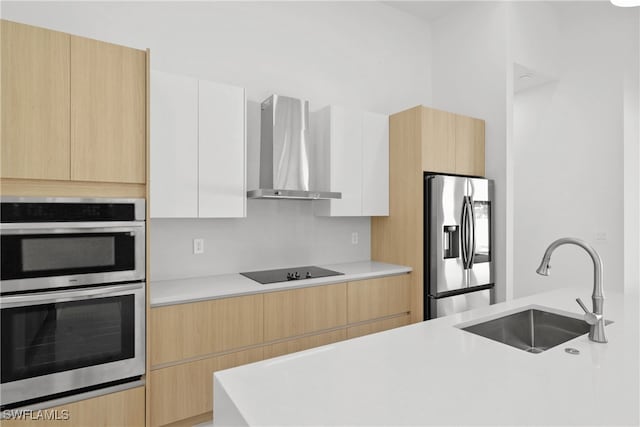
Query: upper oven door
[53,255]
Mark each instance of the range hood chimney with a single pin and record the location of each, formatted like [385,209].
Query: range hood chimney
[286,170]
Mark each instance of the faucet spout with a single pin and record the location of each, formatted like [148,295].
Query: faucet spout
[597,296]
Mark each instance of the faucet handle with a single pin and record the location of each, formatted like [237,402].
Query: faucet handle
[589,317]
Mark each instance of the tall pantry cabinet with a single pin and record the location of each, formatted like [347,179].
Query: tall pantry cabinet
[421,139]
[74,123]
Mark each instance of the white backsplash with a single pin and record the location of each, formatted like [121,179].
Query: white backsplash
[275,234]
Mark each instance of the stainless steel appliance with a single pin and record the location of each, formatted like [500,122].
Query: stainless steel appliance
[72,296]
[286,171]
[458,244]
[60,242]
[284,274]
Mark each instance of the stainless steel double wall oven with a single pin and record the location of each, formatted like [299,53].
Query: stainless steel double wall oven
[72,296]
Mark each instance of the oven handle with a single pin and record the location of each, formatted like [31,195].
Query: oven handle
[69,225]
[9,301]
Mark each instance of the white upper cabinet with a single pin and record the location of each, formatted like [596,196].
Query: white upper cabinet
[174,146]
[352,157]
[198,148]
[222,147]
[375,164]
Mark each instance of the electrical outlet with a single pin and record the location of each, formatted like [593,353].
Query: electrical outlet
[354,238]
[601,236]
[198,246]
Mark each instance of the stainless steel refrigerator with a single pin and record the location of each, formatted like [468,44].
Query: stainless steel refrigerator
[458,244]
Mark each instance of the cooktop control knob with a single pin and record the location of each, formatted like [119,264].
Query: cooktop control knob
[308,275]
[297,275]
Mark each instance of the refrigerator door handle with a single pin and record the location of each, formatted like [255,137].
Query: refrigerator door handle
[472,232]
[463,233]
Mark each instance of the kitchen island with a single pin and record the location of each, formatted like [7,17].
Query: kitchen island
[434,373]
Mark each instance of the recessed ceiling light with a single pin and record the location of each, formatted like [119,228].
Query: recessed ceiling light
[626,3]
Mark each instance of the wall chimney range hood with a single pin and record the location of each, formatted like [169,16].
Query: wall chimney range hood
[286,169]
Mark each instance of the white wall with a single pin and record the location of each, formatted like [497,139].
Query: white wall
[569,145]
[359,54]
[469,68]
[632,167]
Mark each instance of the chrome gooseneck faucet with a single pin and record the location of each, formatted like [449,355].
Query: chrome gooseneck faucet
[595,318]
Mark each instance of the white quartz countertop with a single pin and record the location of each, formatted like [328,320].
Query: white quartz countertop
[433,373]
[168,292]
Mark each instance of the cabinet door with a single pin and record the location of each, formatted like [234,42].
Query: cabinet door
[183,331]
[380,297]
[469,146]
[439,141]
[299,344]
[124,409]
[378,326]
[186,390]
[302,311]
[222,148]
[108,112]
[35,103]
[375,164]
[345,163]
[174,146]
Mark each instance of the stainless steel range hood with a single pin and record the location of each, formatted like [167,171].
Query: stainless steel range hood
[286,169]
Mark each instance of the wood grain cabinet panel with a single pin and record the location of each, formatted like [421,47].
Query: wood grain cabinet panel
[35,102]
[378,326]
[108,110]
[186,390]
[304,343]
[438,141]
[198,329]
[374,298]
[122,409]
[469,146]
[302,311]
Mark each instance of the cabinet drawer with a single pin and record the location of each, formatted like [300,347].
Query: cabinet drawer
[198,329]
[378,326]
[374,298]
[186,390]
[124,408]
[301,311]
[305,343]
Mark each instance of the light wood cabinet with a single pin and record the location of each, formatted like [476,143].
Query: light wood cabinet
[469,146]
[186,390]
[108,110]
[452,143]
[74,115]
[304,343]
[301,311]
[198,148]
[191,341]
[185,331]
[421,139]
[375,298]
[352,157]
[378,326]
[35,102]
[123,409]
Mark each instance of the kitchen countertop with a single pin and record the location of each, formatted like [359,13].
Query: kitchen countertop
[178,291]
[433,373]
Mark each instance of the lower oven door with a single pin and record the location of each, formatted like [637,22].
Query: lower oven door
[58,342]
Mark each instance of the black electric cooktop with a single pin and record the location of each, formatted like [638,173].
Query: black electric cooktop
[295,273]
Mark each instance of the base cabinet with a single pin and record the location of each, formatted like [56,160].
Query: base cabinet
[189,342]
[186,390]
[122,409]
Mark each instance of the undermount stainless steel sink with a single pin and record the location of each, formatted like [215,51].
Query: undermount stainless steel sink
[531,330]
